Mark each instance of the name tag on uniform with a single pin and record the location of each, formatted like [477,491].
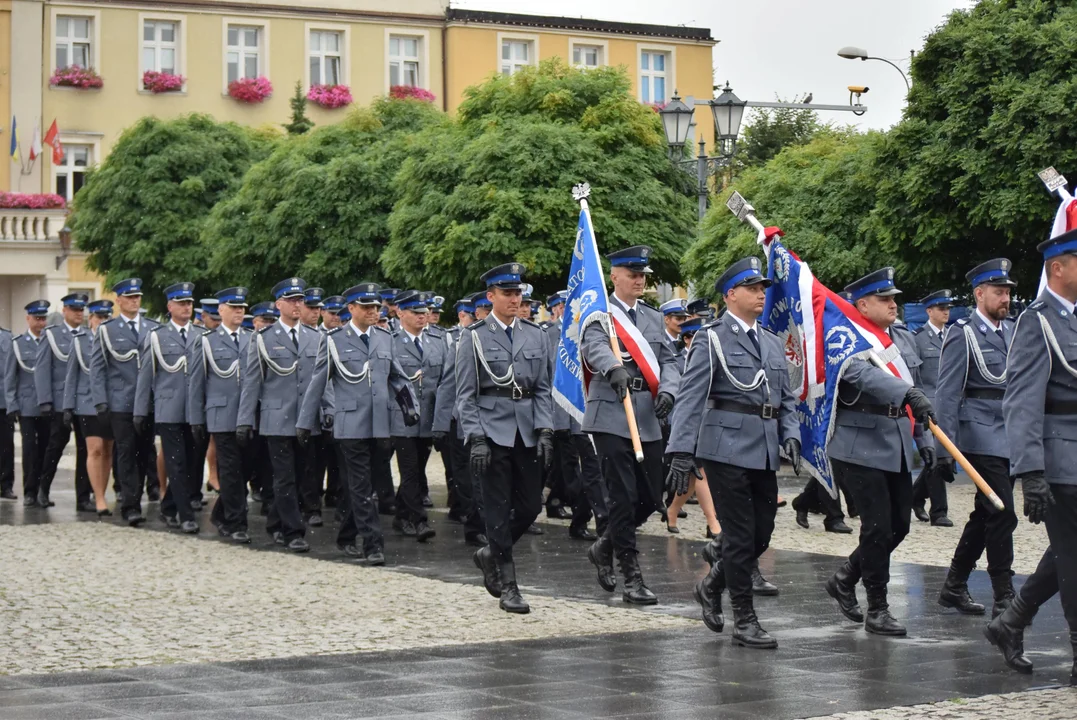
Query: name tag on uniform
[278,347]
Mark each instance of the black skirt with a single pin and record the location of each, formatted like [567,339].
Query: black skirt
[93,426]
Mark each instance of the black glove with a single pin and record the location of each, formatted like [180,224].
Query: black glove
[68,419]
[411,418]
[681,468]
[384,445]
[303,436]
[440,436]
[946,466]
[927,454]
[327,422]
[921,407]
[140,422]
[1038,497]
[663,405]
[244,434]
[544,447]
[563,435]
[199,433]
[46,409]
[792,449]
[619,378]
[480,457]
[103,414]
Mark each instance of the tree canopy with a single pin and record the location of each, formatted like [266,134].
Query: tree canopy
[768,131]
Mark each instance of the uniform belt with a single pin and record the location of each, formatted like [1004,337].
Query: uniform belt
[513,393]
[638,384]
[889,411]
[767,412]
[1061,407]
[985,393]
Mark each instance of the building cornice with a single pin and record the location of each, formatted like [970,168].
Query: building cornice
[455,16]
[231,8]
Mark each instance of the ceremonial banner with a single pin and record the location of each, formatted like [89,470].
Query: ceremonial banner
[1065,220]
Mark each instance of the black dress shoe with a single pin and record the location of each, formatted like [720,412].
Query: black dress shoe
[558,512]
[30,502]
[86,506]
[600,554]
[839,527]
[484,561]
[104,513]
[404,527]
[581,533]
[8,495]
[315,520]
[761,586]
[712,611]
[673,529]
[842,587]
[351,550]
[942,521]
[802,519]
[375,558]
[170,520]
[476,540]
[240,537]
[512,601]
[196,505]
[424,532]
[43,499]
[920,513]
[297,545]
[534,529]
[427,502]
[682,514]
[747,631]
[454,518]
[189,527]
[134,518]
[153,494]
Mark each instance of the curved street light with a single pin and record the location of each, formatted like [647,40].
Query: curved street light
[854,53]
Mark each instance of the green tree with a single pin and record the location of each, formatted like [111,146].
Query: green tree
[300,123]
[495,184]
[768,131]
[141,212]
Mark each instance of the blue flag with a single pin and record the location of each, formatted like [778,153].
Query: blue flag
[586,303]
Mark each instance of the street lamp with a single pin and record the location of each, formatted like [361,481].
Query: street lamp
[728,111]
[854,53]
[676,122]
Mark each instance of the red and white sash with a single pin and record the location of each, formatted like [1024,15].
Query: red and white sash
[637,347]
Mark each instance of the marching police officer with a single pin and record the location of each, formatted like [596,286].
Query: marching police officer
[7,429]
[870,451]
[735,411]
[482,306]
[211,318]
[161,389]
[21,399]
[314,456]
[113,377]
[332,307]
[217,359]
[505,407]
[635,489]
[1040,417]
[387,295]
[929,337]
[968,400]
[673,314]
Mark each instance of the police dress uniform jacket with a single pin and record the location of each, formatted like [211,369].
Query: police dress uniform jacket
[605,412]
[1040,405]
[359,381]
[490,368]
[277,377]
[877,441]
[929,347]
[721,357]
[50,367]
[216,367]
[77,385]
[427,372]
[161,389]
[114,365]
[972,380]
[20,391]
[5,356]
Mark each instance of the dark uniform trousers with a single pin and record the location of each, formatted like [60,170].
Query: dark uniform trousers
[35,440]
[512,495]
[146,460]
[7,452]
[884,500]
[412,454]
[287,459]
[180,449]
[126,448]
[333,486]
[931,483]
[197,471]
[635,490]
[360,513]
[450,481]
[468,492]
[583,479]
[230,510]
[1057,570]
[262,468]
[57,441]
[382,476]
[316,453]
[814,498]
[988,529]
[559,483]
[593,484]
[746,501]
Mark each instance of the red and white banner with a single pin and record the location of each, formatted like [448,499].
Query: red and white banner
[1065,220]
[637,347]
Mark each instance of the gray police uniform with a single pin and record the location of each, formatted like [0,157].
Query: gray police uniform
[7,428]
[21,397]
[50,373]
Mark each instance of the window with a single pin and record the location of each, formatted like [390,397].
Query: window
[73,46]
[71,173]
[325,57]
[244,54]
[404,60]
[587,56]
[653,76]
[159,47]
[515,54]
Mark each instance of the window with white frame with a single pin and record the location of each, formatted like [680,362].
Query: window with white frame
[405,60]
[652,73]
[515,55]
[71,173]
[159,46]
[587,56]
[325,57]
[73,44]
[244,54]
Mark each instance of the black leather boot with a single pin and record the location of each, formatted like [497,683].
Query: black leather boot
[712,551]
[708,593]
[635,592]
[601,556]
[484,560]
[879,621]
[746,629]
[955,593]
[511,599]
[1004,593]
[1007,633]
[760,585]
[842,587]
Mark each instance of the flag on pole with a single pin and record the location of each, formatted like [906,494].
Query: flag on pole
[35,143]
[822,334]
[1065,220]
[586,303]
[52,139]
[14,149]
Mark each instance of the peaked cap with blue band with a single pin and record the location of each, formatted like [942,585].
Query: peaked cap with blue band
[75,301]
[556,299]
[334,303]
[1063,244]
[180,292]
[743,272]
[312,297]
[366,293]
[507,277]
[465,304]
[387,294]
[100,307]
[992,272]
[636,258]
[235,296]
[880,282]
[938,298]
[412,300]
[264,309]
[38,307]
[691,326]
[481,301]
[290,288]
[128,288]
[674,307]
[436,302]
[209,306]
[700,307]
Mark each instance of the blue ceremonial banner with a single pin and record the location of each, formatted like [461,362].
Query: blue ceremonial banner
[586,303]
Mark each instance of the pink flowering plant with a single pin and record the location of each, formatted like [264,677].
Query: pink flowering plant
[76,77]
[330,96]
[162,82]
[251,90]
[31,201]
[410,92]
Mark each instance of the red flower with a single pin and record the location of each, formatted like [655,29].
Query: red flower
[410,92]
[161,82]
[75,76]
[31,201]
[330,96]
[251,90]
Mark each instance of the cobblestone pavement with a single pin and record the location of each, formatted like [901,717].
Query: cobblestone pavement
[1051,704]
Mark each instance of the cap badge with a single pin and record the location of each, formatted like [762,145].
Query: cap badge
[889,273]
[755,263]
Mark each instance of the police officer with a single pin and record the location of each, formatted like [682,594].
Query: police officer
[700,308]
[482,306]
[206,448]
[387,295]
[21,399]
[161,389]
[50,372]
[871,453]
[263,315]
[7,429]
[1040,418]
[635,489]
[217,359]
[432,329]
[735,411]
[506,412]
[332,307]
[673,314]
[357,377]
[932,483]
[211,318]
[314,455]
[113,377]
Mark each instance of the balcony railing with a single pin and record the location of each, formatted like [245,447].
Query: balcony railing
[31,226]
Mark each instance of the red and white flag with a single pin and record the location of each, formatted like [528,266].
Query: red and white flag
[35,143]
[52,139]
[1065,220]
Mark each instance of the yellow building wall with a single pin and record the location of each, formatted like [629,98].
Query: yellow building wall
[5,92]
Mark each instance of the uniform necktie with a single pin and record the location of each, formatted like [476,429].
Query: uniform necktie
[419,347]
[632,315]
[295,340]
[366,340]
[754,338]
[235,339]
[183,334]
[1001,335]
[508,331]
[131,324]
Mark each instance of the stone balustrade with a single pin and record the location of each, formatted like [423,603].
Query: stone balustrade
[31,226]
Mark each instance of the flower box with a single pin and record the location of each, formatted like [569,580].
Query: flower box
[31,201]
[410,92]
[250,90]
[162,82]
[330,97]
[76,77]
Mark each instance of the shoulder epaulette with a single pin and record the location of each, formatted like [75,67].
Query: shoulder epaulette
[435,329]
[1036,305]
[156,328]
[712,323]
[918,330]
[766,329]
[208,332]
[390,334]
[335,330]
[962,321]
[262,330]
[531,323]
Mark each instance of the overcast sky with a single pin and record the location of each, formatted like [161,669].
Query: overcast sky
[784,47]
